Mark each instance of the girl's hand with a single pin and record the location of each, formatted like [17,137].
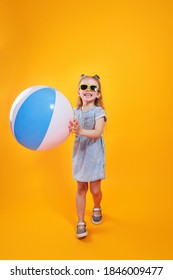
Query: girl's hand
[74,126]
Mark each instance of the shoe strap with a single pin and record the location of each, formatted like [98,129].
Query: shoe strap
[81,224]
[96,209]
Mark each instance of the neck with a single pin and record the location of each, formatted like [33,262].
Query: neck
[87,106]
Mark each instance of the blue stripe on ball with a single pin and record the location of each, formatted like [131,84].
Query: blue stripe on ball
[34,117]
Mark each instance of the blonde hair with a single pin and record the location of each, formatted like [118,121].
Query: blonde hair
[98,101]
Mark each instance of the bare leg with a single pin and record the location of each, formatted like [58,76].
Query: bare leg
[82,188]
[95,188]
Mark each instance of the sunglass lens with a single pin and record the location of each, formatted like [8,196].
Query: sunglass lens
[94,88]
[83,87]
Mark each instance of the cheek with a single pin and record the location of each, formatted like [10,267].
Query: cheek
[81,92]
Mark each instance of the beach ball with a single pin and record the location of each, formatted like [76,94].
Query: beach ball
[39,118]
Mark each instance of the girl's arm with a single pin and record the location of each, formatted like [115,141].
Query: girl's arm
[90,133]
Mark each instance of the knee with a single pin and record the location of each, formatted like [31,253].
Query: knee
[82,189]
[95,191]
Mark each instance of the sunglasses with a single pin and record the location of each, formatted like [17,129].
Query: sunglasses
[91,87]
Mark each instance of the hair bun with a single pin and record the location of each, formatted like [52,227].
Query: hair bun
[96,77]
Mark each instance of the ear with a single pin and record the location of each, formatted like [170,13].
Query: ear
[83,75]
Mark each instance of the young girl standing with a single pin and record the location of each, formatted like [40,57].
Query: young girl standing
[88,152]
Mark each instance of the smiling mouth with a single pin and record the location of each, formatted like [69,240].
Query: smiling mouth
[87,94]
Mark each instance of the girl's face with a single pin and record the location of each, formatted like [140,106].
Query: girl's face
[88,90]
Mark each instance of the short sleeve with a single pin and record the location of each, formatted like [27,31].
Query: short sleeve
[76,113]
[100,113]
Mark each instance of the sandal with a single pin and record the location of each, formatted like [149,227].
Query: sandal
[81,230]
[97,216]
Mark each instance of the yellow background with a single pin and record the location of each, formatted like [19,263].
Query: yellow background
[129,44]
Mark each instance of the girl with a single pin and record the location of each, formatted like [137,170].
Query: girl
[88,153]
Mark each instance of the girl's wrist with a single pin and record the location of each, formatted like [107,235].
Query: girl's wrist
[79,131]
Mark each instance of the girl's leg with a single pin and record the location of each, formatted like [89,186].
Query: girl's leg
[95,188]
[82,188]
